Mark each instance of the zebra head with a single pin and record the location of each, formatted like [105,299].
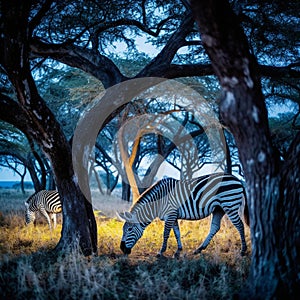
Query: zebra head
[132,231]
[29,215]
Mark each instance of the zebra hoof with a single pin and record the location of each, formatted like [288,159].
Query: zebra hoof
[176,255]
[197,251]
[160,256]
[243,253]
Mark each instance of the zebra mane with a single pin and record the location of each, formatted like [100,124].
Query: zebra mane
[155,192]
[29,199]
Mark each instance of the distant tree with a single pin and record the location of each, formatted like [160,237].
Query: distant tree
[144,136]
[16,166]
[16,148]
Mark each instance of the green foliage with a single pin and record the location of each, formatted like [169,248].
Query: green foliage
[67,92]
[283,131]
[14,148]
[12,139]
[132,65]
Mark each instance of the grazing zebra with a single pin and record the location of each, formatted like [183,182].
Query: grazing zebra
[44,202]
[170,199]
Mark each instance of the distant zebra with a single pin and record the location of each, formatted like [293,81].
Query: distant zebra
[194,199]
[44,202]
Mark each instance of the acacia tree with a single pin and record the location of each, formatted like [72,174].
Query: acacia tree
[273,185]
[32,116]
[21,149]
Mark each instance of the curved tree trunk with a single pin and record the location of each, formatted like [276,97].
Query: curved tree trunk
[273,186]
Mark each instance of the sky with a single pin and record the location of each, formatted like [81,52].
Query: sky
[8,175]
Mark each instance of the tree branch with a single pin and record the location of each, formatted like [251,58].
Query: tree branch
[87,60]
[132,22]
[13,113]
[158,66]
[175,71]
[279,72]
[108,73]
[35,21]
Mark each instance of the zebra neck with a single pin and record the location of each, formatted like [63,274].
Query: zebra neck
[144,224]
[145,216]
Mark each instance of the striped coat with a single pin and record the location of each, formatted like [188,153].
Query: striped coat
[194,199]
[46,203]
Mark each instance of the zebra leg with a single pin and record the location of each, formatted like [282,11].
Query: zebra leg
[238,223]
[53,217]
[45,214]
[33,219]
[215,225]
[177,236]
[167,229]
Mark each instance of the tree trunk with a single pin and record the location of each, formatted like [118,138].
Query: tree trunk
[22,184]
[228,163]
[125,191]
[33,117]
[273,187]
[128,161]
[32,159]
[33,175]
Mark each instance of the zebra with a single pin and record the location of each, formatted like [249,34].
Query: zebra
[44,202]
[194,199]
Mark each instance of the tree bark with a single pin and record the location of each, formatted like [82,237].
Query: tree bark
[273,186]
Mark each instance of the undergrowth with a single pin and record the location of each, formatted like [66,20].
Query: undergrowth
[30,269]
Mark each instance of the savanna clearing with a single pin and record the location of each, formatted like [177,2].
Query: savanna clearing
[30,270]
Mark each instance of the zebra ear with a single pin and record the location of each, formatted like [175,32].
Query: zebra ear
[120,216]
[128,216]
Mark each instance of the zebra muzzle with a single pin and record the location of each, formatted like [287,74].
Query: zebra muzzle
[124,249]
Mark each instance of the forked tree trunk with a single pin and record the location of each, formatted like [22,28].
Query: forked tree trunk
[128,160]
[31,115]
[273,186]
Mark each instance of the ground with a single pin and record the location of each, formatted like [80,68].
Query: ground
[31,270]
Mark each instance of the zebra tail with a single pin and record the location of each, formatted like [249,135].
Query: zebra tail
[246,210]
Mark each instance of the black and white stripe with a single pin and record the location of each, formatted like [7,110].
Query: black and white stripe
[194,199]
[47,203]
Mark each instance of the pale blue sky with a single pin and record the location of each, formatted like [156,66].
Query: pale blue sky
[8,175]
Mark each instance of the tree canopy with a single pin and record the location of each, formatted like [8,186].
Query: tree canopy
[96,37]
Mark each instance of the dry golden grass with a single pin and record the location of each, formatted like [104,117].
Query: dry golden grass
[28,265]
